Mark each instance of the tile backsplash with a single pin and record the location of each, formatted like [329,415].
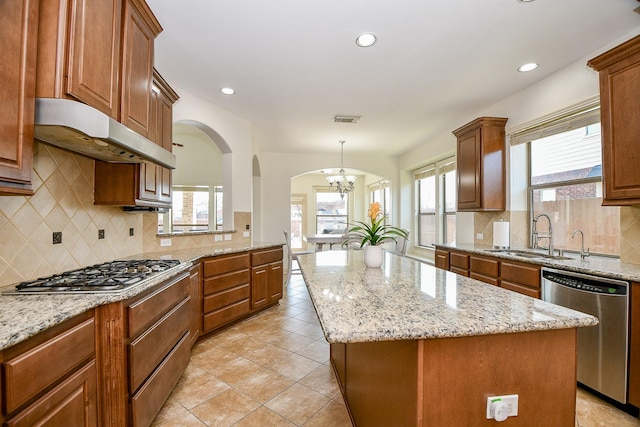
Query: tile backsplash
[63,202]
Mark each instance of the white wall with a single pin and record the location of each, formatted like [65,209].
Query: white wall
[237,133]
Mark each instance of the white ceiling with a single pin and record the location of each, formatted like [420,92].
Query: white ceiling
[295,64]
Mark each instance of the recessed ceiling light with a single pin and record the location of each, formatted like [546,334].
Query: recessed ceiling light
[366,40]
[528,67]
[228,91]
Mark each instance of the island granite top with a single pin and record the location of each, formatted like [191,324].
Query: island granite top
[407,300]
[22,316]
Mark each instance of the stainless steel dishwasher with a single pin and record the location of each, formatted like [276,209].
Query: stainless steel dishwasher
[602,349]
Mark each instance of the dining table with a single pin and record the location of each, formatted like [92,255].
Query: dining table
[319,240]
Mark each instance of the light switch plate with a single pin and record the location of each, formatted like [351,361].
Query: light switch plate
[246,233]
[217,238]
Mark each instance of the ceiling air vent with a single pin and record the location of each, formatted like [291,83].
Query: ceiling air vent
[346,119]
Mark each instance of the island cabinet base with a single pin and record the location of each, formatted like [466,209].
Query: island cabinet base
[446,382]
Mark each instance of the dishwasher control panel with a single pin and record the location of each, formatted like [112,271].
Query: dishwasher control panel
[586,283]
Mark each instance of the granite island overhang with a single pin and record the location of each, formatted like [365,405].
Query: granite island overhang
[412,344]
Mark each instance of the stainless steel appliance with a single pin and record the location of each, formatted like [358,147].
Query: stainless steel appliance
[602,349]
[112,276]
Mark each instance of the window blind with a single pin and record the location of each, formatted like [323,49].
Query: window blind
[575,117]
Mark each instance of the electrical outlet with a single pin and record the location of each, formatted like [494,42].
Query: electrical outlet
[500,408]
[132,231]
[217,238]
[480,236]
[100,234]
[227,237]
[247,227]
[57,237]
[165,242]
[246,234]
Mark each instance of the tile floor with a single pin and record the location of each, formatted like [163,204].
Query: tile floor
[273,370]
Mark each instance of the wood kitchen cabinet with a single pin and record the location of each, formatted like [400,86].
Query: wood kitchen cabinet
[19,35]
[481,165]
[634,346]
[459,263]
[619,73]
[442,259]
[100,53]
[141,184]
[158,350]
[266,277]
[485,269]
[225,289]
[520,277]
[51,378]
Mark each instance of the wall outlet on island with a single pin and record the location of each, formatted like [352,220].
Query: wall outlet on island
[479,236]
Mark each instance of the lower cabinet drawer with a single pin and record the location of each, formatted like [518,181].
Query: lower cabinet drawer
[459,260]
[222,299]
[485,267]
[224,315]
[486,279]
[215,284]
[71,403]
[33,371]
[525,290]
[459,271]
[148,350]
[518,273]
[148,401]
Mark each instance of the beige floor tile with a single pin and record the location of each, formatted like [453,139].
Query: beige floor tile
[317,350]
[244,345]
[333,414]
[273,334]
[298,403]
[592,411]
[264,386]
[267,355]
[308,316]
[263,417]
[294,366]
[311,331]
[236,370]
[212,358]
[322,380]
[188,420]
[192,372]
[225,409]
[293,342]
[192,393]
[171,409]
[290,324]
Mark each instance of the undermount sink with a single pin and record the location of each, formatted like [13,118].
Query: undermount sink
[527,254]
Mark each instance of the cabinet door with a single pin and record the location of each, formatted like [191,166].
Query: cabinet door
[619,92]
[72,403]
[18,32]
[94,53]
[275,281]
[442,259]
[259,285]
[137,69]
[165,116]
[468,170]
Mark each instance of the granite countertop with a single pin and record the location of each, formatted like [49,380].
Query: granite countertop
[407,300]
[22,316]
[596,265]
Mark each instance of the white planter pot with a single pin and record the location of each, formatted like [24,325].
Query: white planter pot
[373,256]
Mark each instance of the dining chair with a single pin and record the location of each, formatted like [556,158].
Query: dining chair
[292,257]
[400,245]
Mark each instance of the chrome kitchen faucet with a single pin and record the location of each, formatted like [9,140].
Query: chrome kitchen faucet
[583,254]
[537,236]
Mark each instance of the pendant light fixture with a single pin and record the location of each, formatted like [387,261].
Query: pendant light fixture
[342,183]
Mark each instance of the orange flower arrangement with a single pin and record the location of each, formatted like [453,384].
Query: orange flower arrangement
[377,232]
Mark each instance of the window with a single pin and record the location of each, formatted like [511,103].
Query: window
[381,192]
[190,210]
[436,201]
[565,182]
[331,211]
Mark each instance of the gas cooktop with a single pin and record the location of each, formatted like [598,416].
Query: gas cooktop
[114,276]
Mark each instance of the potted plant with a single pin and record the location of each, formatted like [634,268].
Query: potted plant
[371,236]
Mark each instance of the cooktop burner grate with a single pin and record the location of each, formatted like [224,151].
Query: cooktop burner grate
[106,277]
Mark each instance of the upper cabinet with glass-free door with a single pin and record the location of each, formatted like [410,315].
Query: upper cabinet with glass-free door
[481,165]
[619,70]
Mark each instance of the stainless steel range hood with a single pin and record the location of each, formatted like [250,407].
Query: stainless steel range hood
[83,129]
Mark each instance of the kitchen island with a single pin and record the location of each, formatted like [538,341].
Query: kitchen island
[415,345]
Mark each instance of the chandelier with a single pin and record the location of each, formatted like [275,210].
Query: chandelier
[343,183]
